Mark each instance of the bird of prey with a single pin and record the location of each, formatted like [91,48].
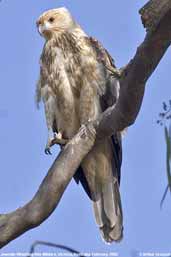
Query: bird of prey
[76,85]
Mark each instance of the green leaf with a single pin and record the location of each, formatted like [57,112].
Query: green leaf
[168,144]
[168,155]
[168,158]
[170,140]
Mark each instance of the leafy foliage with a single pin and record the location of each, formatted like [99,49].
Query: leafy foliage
[165,117]
[166,114]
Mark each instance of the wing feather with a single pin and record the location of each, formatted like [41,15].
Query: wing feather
[107,99]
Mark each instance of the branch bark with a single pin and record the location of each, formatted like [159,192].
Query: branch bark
[51,190]
[153,12]
[116,118]
[134,78]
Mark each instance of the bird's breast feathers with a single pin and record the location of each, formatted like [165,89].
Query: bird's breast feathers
[67,65]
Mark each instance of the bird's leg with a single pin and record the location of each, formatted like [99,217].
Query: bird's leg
[86,103]
[49,141]
[53,139]
[114,71]
[50,117]
[58,135]
[58,139]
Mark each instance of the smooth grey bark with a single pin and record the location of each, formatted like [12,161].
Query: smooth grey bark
[116,118]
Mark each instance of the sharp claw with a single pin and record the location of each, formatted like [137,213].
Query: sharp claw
[47,151]
[58,135]
[49,144]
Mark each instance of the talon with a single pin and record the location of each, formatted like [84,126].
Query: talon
[58,135]
[55,134]
[47,151]
[48,146]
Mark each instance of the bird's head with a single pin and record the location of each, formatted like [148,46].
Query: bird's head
[55,21]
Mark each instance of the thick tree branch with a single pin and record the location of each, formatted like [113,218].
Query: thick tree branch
[134,78]
[114,119]
[49,194]
[153,12]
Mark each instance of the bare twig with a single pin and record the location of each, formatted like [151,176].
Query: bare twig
[164,196]
[63,247]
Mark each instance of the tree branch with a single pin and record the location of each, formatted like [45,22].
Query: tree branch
[115,119]
[62,247]
[153,12]
[134,78]
[51,190]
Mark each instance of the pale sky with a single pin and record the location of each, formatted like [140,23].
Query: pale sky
[23,132]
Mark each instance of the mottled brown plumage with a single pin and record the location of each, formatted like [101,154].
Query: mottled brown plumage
[76,86]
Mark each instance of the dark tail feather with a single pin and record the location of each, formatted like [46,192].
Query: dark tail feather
[108,212]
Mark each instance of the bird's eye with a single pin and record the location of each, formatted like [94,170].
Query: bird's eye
[38,23]
[51,19]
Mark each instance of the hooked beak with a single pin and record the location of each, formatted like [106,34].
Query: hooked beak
[43,28]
